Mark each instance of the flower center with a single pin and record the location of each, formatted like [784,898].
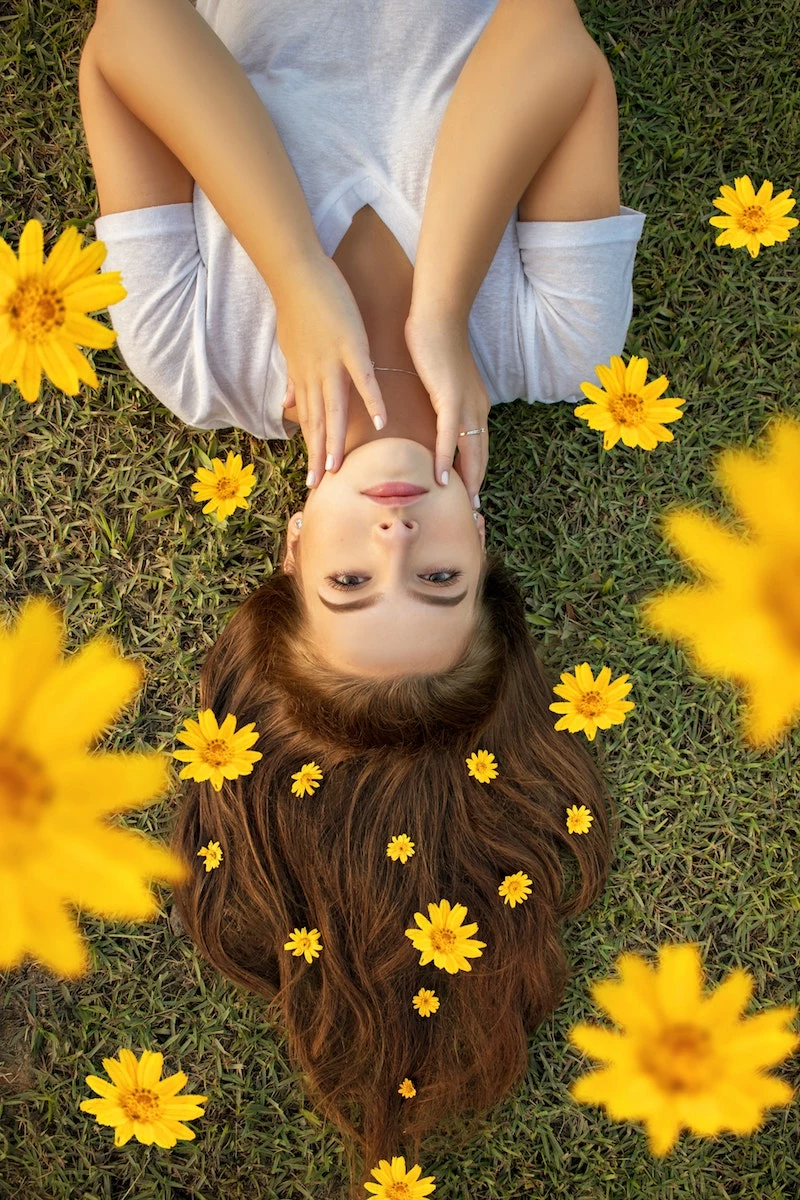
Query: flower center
[35,309]
[24,791]
[782,598]
[140,1105]
[590,704]
[443,940]
[753,219]
[217,753]
[398,1191]
[226,488]
[681,1059]
[626,408]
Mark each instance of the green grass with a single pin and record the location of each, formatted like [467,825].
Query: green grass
[96,511]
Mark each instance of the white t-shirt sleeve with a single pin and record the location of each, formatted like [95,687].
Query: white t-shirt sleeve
[161,324]
[577,299]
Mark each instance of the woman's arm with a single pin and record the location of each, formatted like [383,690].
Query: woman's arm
[167,65]
[523,86]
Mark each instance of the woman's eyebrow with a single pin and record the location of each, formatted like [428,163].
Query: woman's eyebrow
[368,601]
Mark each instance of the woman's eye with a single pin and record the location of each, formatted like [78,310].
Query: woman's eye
[454,575]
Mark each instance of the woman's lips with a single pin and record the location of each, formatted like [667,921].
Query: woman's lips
[395,488]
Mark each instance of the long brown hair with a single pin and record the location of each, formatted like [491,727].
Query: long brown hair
[393,753]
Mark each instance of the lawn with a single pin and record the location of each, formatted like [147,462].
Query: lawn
[96,512]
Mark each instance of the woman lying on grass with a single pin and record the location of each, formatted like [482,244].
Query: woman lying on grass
[467,240]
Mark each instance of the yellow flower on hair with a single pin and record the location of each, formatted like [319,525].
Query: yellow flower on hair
[304,941]
[579,819]
[407,1089]
[213,855]
[482,766]
[744,623]
[140,1103]
[752,220]
[306,779]
[443,940]
[515,888]
[217,752]
[591,704]
[55,793]
[400,847]
[226,486]
[684,1059]
[628,408]
[425,1002]
[395,1183]
[43,307]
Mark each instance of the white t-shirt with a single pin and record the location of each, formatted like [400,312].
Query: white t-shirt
[357,90]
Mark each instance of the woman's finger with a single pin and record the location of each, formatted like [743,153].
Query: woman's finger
[336,390]
[446,441]
[314,431]
[370,392]
[472,461]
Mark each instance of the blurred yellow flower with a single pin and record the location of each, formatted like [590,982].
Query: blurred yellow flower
[140,1103]
[515,889]
[745,623]
[43,307]
[226,486]
[217,751]
[400,847]
[629,408]
[212,854]
[591,704]
[684,1059]
[752,220]
[443,940]
[395,1183]
[407,1089]
[425,1002]
[482,766]
[54,794]
[306,779]
[304,942]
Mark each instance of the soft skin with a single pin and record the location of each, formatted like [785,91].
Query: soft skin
[388,549]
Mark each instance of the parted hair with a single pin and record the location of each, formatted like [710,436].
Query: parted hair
[392,752]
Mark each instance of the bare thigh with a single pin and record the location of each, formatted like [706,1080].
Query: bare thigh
[579,180]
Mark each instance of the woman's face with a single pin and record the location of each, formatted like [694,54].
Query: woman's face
[384,554]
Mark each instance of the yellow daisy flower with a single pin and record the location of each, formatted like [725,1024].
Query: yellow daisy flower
[43,306]
[304,942]
[684,1059]
[212,854]
[482,766]
[226,486]
[425,1002]
[744,624]
[306,779]
[394,1183]
[444,940]
[515,888]
[54,794]
[579,819]
[752,220]
[140,1104]
[400,847]
[217,751]
[628,408]
[591,704]
[407,1089]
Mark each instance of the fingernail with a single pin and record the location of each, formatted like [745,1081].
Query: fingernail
[378,422]
[476,501]
[445,476]
[310,479]
[329,462]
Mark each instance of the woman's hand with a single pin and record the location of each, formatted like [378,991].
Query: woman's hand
[440,351]
[324,342]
